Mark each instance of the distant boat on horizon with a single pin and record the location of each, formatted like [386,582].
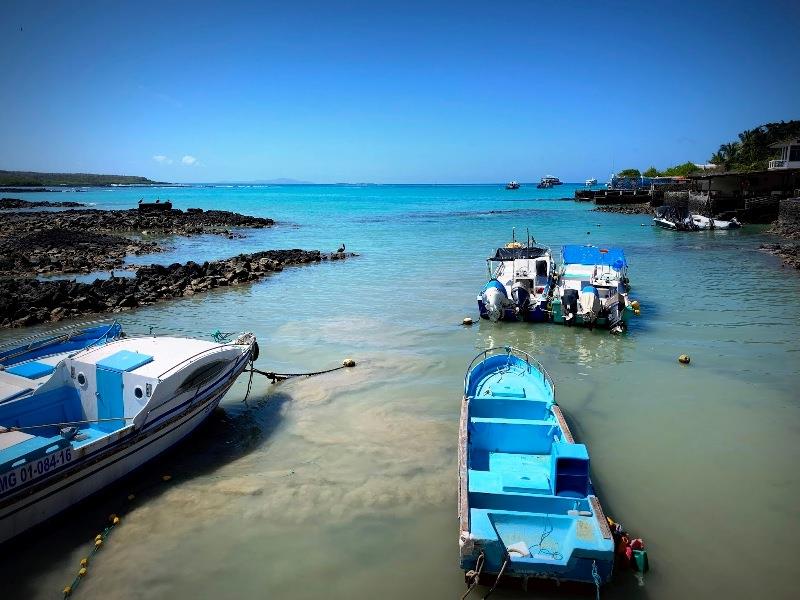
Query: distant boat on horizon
[548,181]
[512,185]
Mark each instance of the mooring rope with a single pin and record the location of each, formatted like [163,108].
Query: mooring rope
[475,574]
[283,376]
[596,579]
[496,581]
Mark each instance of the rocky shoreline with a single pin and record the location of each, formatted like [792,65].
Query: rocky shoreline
[789,252]
[16,203]
[626,209]
[82,241]
[25,301]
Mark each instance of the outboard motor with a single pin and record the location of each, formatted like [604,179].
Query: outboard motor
[589,304]
[522,298]
[569,305]
[613,308]
[494,298]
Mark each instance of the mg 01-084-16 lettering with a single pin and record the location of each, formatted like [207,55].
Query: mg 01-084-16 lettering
[34,469]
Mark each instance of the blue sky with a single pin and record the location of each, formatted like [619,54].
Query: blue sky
[387,91]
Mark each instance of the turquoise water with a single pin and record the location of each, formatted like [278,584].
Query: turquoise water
[344,485]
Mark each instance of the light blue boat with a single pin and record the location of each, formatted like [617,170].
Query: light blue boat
[527,508]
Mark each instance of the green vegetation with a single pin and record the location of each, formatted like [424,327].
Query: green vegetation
[33,179]
[683,170]
[629,173]
[651,172]
[752,151]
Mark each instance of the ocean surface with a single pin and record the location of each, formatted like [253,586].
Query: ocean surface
[344,485]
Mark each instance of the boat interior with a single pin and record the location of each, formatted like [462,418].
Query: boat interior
[533,274]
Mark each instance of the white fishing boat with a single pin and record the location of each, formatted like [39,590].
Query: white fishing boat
[702,223]
[592,288]
[72,424]
[591,181]
[520,283]
[669,217]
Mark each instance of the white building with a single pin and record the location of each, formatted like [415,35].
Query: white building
[790,154]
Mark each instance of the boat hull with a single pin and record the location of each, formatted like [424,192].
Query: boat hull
[91,471]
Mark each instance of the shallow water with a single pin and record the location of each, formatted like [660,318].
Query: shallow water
[344,485]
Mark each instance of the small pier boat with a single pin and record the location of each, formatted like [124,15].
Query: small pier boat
[669,217]
[520,284]
[527,508]
[97,414]
[591,182]
[592,288]
[512,185]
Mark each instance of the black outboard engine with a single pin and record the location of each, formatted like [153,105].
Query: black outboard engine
[522,298]
[569,305]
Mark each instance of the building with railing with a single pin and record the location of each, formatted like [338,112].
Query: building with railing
[790,154]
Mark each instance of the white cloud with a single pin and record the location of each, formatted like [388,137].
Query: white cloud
[189,160]
[162,160]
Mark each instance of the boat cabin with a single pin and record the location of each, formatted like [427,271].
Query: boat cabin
[529,266]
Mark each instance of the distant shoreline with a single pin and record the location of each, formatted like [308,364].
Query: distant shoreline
[25,180]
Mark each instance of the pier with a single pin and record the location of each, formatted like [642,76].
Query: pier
[751,197]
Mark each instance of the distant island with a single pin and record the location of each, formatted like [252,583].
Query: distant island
[34,179]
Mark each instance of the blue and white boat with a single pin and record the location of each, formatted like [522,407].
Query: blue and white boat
[527,508]
[69,428]
[520,284]
[592,288]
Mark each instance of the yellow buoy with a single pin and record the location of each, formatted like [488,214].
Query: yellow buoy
[467,321]
[635,304]
[67,591]
[82,572]
[115,520]
[99,536]
[84,562]
[348,362]
[166,477]
[98,543]
[637,312]
[684,359]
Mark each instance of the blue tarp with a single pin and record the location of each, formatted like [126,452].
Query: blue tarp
[591,255]
[124,360]
[31,370]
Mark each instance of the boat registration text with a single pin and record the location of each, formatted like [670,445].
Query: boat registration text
[34,469]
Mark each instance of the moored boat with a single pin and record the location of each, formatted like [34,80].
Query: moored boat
[520,284]
[512,185]
[591,181]
[98,414]
[669,217]
[592,288]
[548,181]
[527,507]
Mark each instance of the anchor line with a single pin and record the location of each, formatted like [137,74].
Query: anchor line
[282,376]
[475,575]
